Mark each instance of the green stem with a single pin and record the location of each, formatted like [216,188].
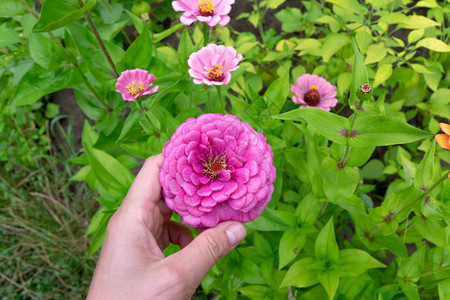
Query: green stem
[99,39]
[205,34]
[209,100]
[346,153]
[423,195]
[219,92]
[58,44]
[144,110]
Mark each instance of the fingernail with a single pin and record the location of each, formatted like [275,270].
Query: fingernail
[235,233]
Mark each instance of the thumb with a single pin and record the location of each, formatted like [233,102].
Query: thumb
[197,258]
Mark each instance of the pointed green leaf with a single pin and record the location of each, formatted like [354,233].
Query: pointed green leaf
[332,126]
[326,247]
[338,181]
[384,131]
[302,273]
[138,55]
[330,281]
[185,47]
[276,94]
[359,74]
[354,262]
[60,13]
[291,244]
[428,171]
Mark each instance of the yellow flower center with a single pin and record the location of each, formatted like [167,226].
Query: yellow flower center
[206,8]
[213,166]
[135,88]
[215,73]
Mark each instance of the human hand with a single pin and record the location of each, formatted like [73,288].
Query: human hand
[132,264]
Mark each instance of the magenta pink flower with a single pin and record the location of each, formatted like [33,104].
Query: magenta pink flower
[217,168]
[213,64]
[314,91]
[211,12]
[133,84]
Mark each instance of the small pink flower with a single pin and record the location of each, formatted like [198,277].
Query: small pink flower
[213,64]
[314,91]
[211,12]
[133,84]
[217,168]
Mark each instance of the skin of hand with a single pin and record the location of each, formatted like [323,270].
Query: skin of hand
[132,264]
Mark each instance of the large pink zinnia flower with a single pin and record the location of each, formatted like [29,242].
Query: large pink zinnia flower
[217,168]
[133,84]
[314,91]
[211,12]
[213,64]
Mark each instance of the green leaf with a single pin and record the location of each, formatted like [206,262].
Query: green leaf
[8,36]
[351,6]
[131,119]
[384,131]
[255,291]
[384,72]
[327,123]
[290,18]
[428,171]
[276,93]
[302,273]
[10,8]
[91,53]
[138,55]
[60,13]
[162,35]
[37,83]
[185,47]
[100,232]
[338,182]
[411,268]
[291,244]
[326,247]
[269,221]
[359,74]
[415,35]
[354,262]
[262,246]
[330,281]
[375,53]
[333,42]
[419,22]
[433,44]
[373,169]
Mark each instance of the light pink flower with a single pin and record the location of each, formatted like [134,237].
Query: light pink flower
[217,168]
[133,84]
[211,12]
[314,91]
[213,64]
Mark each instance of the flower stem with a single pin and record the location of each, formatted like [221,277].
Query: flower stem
[423,195]
[99,39]
[96,95]
[347,149]
[219,92]
[205,34]
[209,101]
[144,110]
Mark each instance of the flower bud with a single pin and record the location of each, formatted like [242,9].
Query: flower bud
[364,92]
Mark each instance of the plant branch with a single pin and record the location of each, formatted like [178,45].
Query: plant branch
[99,39]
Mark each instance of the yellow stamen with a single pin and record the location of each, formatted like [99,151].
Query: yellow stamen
[215,73]
[135,88]
[206,7]
[313,87]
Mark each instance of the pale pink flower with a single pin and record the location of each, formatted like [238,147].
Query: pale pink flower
[133,84]
[314,91]
[211,12]
[217,168]
[213,64]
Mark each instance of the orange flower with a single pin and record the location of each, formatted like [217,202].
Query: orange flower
[443,140]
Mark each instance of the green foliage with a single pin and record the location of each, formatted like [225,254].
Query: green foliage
[358,189]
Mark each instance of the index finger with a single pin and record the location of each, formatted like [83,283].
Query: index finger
[146,189]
